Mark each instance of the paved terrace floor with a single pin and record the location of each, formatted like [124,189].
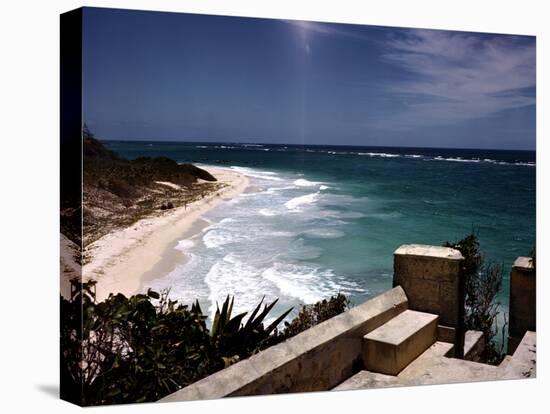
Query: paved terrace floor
[433,367]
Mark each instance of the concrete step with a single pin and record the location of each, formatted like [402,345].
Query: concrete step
[523,363]
[394,345]
[365,380]
[433,367]
[504,363]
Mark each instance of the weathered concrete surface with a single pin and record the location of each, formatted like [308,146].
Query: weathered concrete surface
[367,380]
[433,282]
[523,364]
[430,276]
[446,333]
[435,367]
[523,301]
[424,250]
[432,367]
[474,344]
[391,347]
[314,360]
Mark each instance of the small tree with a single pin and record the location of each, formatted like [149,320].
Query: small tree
[482,285]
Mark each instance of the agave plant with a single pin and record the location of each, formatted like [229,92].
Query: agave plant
[235,339]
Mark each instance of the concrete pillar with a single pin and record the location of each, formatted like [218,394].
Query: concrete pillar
[523,301]
[432,279]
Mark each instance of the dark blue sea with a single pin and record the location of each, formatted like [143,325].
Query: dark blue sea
[317,220]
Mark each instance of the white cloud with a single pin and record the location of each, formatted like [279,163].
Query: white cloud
[449,77]
[457,76]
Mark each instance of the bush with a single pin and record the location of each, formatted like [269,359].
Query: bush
[141,348]
[167,206]
[311,315]
[482,285]
[137,349]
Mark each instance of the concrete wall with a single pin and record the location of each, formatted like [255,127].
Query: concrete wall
[431,277]
[523,301]
[315,360]
[474,345]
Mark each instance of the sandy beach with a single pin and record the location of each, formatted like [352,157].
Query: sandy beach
[120,259]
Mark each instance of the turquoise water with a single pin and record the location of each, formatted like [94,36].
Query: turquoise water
[318,220]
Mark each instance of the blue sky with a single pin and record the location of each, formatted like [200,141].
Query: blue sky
[184,77]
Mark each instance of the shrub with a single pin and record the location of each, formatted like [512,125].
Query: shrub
[167,206]
[141,348]
[482,285]
[311,315]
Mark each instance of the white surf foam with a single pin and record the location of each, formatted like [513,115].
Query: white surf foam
[325,233]
[215,238]
[184,245]
[233,276]
[254,173]
[296,202]
[268,212]
[302,282]
[379,154]
[302,182]
[457,159]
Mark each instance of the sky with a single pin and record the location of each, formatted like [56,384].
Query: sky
[186,77]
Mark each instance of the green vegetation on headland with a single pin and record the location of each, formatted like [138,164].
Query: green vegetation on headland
[118,192]
[141,348]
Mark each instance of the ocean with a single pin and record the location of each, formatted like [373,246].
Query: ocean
[318,220]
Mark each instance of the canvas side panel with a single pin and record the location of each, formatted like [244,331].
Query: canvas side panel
[71,201]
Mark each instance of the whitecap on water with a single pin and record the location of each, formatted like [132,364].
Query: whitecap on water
[302,182]
[307,283]
[268,212]
[260,174]
[324,233]
[301,200]
[215,238]
[379,154]
[232,276]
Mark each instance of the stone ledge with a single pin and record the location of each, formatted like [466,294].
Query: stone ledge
[438,252]
[523,263]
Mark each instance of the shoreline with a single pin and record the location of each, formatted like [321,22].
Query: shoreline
[123,260]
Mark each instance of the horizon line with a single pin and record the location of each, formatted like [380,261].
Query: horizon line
[313,145]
